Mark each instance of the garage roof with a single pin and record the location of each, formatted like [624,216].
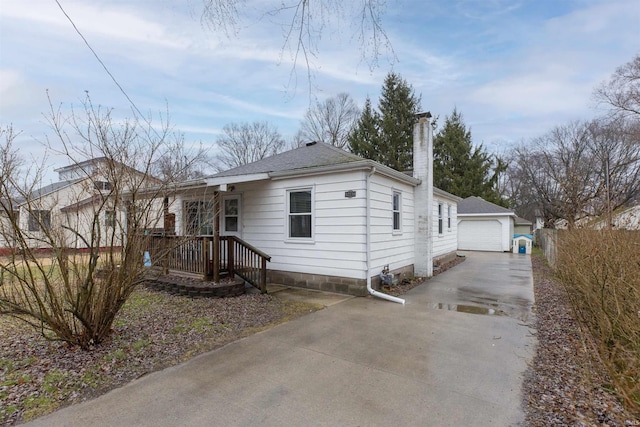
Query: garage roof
[477,205]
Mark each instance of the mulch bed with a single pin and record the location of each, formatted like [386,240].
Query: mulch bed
[153,331]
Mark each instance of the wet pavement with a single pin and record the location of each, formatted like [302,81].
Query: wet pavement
[453,355]
[486,285]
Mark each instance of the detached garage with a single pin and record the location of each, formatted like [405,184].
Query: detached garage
[484,226]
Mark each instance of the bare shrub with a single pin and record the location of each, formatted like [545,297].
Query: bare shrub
[75,255]
[601,272]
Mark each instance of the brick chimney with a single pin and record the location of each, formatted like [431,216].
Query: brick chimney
[423,195]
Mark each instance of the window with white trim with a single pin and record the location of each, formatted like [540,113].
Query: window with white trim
[449,217]
[231,215]
[199,218]
[299,213]
[439,218]
[397,210]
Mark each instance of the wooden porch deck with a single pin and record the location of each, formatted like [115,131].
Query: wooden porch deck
[207,258]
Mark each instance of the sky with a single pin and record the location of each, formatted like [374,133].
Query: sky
[513,68]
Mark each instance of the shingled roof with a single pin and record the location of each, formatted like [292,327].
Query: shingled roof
[308,156]
[477,205]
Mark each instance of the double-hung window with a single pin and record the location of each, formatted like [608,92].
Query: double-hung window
[300,214]
[397,211]
[231,215]
[39,220]
[439,218]
[199,218]
[449,217]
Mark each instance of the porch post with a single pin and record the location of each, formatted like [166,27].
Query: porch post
[263,276]
[231,262]
[205,258]
[216,236]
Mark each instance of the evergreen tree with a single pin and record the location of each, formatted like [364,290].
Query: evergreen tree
[387,136]
[398,107]
[462,169]
[364,139]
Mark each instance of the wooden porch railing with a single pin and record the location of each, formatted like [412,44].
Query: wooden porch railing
[197,255]
[245,260]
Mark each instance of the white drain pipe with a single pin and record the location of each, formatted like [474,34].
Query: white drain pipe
[368,237]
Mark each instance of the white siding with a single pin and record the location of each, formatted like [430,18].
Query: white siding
[338,244]
[70,206]
[447,241]
[53,202]
[388,247]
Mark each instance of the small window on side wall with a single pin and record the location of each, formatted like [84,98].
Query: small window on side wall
[300,216]
[449,217]
[439,218]
[397,211]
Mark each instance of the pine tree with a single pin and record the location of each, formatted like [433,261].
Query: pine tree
[387,136]
[364,139]
[462,169]
[398,107]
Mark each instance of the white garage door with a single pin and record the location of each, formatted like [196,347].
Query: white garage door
[484,235]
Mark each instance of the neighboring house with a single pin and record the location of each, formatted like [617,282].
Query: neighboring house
[623,219]
[327,218]
[8,213]
[484,226]
[522,226]
[63,212]
[626,218]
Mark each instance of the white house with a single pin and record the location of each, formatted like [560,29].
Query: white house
[623,219]
[63,213]
[327,218]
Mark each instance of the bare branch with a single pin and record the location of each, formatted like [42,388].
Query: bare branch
[622,91]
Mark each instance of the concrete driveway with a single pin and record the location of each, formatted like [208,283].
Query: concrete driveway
[453,355]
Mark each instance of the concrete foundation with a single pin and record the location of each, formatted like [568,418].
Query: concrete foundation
[336,284]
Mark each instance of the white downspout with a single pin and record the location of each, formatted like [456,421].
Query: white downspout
[368,249]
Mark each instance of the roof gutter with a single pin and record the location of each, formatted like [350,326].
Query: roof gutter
[368,251]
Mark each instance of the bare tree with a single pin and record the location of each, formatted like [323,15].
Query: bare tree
[561,170]
[297,140]
[622,91]
[244,143]
[304,22]
[330,121]
[90,228]
[616,147]
[579,170]
[179,162]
